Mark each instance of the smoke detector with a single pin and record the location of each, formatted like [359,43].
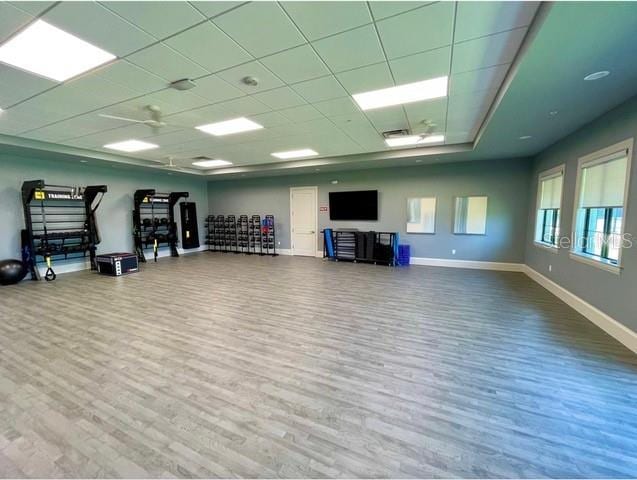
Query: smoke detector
[183,84]
[250,80]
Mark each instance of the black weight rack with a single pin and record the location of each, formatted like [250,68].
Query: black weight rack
[254,235]
[210,231]
[268,236]
[154,223]
[243,235]
[230,234]
[60,222]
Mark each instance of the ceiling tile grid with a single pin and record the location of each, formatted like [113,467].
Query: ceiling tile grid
[308,58]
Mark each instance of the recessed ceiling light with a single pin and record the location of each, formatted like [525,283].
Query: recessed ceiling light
[83,161]
[304,152]
[50,52]
[211,163]
[228,127]
[413,140]
[419,160]
[597,75]
[131,146]
[334,182]
[525,137]
[408,93]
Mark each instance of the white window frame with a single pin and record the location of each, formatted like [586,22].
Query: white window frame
[596,158]
[552,172]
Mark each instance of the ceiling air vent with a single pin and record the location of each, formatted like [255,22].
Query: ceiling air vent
[396,133]
[201,157]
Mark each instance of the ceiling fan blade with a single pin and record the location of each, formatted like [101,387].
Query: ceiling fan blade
[114,117]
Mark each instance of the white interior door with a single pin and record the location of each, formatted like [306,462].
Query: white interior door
[304,220]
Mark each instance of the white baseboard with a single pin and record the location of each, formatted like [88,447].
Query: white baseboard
[445,262]
[620,332]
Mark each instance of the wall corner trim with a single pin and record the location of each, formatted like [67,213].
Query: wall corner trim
[615,329]
[444,262]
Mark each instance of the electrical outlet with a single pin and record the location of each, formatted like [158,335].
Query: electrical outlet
[550,268]
[453,252]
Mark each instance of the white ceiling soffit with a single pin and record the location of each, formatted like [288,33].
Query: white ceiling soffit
[309,59]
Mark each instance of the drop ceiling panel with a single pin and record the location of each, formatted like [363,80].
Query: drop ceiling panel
[337,106]
[434,111]
[11,19]
[167,63]
[296,65]
[32,8]
[212,9]
[382,10]
[270,119]
[215,89]
[196,44]
[391,118]
[261,28]
[488,51]
[320,19]
[320,89]
[421,66]
[278,98]
[16,85]
[351,49]
[125,73]
[479,19]
[476,80]
[303,113]
[363,79]
[417,30]
[266,79]
[99,26]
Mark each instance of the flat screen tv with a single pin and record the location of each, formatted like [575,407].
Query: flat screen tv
[359,205]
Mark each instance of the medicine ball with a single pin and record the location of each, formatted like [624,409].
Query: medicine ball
[12,271]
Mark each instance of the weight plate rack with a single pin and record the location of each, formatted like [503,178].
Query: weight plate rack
[59,222]
[251,235]
[154,223]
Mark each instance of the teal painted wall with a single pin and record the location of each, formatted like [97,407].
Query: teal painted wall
[613,294]
[505,182]
[114,213]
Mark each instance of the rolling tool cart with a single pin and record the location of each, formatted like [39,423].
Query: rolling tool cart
[154,222]
[59,222]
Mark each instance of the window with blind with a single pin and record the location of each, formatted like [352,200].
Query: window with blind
[601,197]
[549,204]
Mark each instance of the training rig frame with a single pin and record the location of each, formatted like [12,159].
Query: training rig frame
[146,201]
[74,231]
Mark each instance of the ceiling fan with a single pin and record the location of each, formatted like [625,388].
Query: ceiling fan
[155,121]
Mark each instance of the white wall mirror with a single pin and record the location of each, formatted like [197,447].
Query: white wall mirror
[421,215]
[470,216]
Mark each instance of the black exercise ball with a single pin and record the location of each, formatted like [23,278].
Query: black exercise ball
[12,271]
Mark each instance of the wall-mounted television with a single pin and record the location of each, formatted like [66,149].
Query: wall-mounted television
[358,205]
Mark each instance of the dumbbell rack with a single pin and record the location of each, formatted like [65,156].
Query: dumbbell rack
[254,235]
[154,222]
[243,234]
[268,236]
[230,234]
[59,222]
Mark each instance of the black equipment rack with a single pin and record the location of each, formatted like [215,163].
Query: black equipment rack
[59,222]
[268,236]
[154,221]
[230,238]
[243,235]
[370,247]
[254,235]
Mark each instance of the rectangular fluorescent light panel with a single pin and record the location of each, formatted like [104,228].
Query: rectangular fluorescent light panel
[52,53]
[211,163]
[228,127]
[413,140]
[304,152]
[131,146]
[408,93]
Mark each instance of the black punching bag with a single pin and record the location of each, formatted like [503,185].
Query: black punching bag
[189,230]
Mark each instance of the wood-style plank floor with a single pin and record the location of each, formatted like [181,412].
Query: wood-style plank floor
[222,365]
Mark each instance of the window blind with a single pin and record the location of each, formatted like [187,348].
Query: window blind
[603,184]
[551,191]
